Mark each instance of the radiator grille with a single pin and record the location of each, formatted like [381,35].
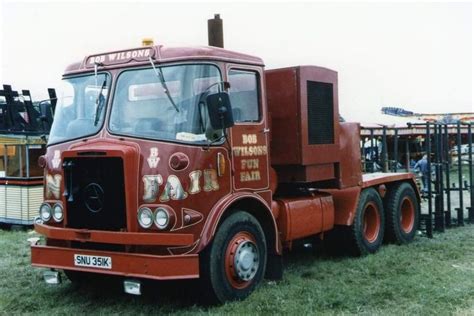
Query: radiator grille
[98,194]
[320,113]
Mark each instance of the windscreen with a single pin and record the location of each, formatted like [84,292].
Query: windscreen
[166,104]
[80,110]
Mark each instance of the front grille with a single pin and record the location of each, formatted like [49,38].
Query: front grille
[98,194]
[320,113]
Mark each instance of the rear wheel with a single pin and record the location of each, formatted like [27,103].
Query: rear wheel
[367,230]
[234,263]
[402,213]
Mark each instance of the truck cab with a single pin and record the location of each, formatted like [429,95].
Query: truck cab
[134,165]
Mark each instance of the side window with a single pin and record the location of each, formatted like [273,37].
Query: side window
[244,95]
[34,152]
[15,161]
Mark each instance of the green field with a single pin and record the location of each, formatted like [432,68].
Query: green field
[429,276]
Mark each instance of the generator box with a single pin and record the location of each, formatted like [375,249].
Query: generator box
[303,106]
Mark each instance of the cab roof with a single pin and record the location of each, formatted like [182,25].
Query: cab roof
[160,54]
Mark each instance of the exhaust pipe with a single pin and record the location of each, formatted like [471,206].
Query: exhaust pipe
[215,31]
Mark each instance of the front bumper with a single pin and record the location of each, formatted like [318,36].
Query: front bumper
[123,264]
[127,264]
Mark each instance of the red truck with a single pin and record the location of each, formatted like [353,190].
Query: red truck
[195,162]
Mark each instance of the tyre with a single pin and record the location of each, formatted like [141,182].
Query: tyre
[367,230]
[402,214]
[234,263]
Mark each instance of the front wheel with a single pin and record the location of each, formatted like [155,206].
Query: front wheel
[234,263]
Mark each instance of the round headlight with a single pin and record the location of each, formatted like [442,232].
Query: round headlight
[45,212]
[162,218]
[145,217]
[57,212]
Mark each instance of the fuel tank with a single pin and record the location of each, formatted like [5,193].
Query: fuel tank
[300,217]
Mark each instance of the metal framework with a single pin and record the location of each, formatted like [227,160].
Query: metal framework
[447,146]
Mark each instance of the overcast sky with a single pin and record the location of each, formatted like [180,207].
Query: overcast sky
[412,55]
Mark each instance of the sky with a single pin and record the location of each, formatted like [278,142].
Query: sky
[412,55]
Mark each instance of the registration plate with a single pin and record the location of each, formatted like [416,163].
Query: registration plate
[93,261]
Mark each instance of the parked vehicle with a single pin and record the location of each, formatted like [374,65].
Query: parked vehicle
[196,162]
[24,126]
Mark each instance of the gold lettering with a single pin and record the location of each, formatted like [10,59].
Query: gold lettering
[210,180]
[249,164]
[248,151]
[53,185]
[151,185]
[194,177]
[249,139]
[256,175]
[173,190]
[246,176]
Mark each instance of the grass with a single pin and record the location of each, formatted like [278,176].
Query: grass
[429,276]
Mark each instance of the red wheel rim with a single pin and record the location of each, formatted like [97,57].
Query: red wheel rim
[371,222]
[407,215]
[233,271]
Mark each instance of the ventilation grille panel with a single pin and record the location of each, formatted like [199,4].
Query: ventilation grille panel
[320,113]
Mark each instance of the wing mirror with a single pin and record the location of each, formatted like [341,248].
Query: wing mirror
[219,110]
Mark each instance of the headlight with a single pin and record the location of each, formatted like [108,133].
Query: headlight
[58,212]
[162,218]
[145,217]
[45,212]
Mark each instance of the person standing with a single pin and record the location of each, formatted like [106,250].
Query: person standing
[422,166]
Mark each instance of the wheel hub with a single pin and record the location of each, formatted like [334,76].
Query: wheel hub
[371,223]
[246,260]
[242,260]
[407,215]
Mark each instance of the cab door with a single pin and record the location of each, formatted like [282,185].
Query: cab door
[249,135]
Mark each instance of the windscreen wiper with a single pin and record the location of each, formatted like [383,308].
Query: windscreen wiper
[99,102]
[163,83]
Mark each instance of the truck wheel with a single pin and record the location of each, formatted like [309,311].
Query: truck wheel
[368,228]
[234,263]
[402,213]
